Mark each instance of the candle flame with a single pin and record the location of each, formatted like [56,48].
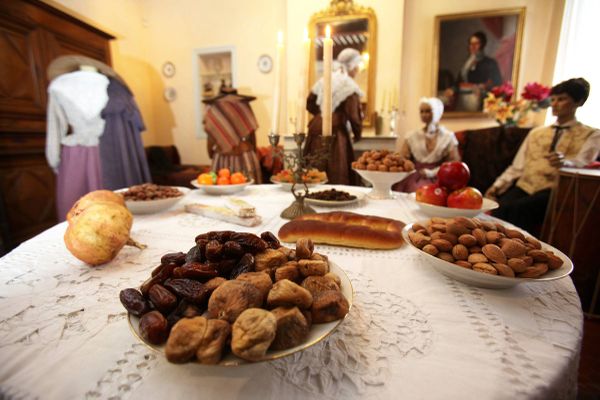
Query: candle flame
[280,37]
[328,32]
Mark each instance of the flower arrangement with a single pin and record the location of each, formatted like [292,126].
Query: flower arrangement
[500,105]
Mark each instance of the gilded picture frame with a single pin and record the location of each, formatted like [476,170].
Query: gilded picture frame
[472,53]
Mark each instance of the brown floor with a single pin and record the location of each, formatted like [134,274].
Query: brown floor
[589,364]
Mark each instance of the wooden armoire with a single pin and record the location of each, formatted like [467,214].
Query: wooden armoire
[32,34]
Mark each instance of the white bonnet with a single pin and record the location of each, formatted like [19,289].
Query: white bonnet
[437,107]
[350,58]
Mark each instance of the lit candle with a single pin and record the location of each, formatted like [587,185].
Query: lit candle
[277,90]
[327,64]
[300,118]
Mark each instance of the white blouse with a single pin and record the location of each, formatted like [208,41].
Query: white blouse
[75,99]
[418,147]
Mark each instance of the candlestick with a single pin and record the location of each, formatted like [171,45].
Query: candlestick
[277,90]
[327,64]
[301,117]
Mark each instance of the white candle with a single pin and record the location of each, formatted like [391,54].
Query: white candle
[327,64]
[277,90]
[301,114]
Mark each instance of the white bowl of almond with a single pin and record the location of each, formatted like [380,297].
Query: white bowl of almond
[485,252]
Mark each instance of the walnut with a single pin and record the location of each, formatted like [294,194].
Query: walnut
[261,280]
[289,294]
[184,339]
[230,299]
[292,328]
[252,334]
[329,306]
[318,284]
[213,341]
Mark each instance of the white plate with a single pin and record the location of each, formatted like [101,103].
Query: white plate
[480,279]
[299,186]
[317,332]
[153,206]
[382,182]
[336,203]
[222,189]
[447,212]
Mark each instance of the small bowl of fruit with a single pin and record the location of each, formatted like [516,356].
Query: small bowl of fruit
[450,196]
[222,182]
[382,168]
[312,178]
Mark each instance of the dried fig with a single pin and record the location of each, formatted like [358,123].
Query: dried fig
[252,334]
[213,341]
[289,294]
[184,339]
[292,328]
[329,306]
[230,299]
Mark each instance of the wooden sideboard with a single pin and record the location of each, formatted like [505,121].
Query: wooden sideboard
[32,34]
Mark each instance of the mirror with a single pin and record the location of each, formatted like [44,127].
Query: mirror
[351,26]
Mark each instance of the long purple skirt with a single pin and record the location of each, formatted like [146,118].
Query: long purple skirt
[79,173]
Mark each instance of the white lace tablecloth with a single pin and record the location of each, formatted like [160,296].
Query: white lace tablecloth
[412,333]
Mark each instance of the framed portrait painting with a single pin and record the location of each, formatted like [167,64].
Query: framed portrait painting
[473,53]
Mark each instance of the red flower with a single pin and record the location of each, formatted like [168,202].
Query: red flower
[535,91]
[505,90]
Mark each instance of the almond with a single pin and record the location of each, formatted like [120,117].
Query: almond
[477,258]
[438,220]
[460,252]
[417,227]
[464,264]
[527,259]
[489,226]
[493,236]
[535,271]
[480,236]
[445,235]
[430,249]
[554,261]
[485,268]
[456,228]
[517,265]
[474,249]
[442,244]
[513,233]
[500,227]
[538,255]
[513,248]
[446,256]
[504,270]
[494,253]
[420,240]
[469,223]
[467,240]
[534,242]
[438,227]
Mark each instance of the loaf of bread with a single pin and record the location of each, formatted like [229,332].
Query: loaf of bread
[345,229]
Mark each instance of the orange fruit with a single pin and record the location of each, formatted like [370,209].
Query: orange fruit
[238,178]
[223,180]
[205,179]
[224,172]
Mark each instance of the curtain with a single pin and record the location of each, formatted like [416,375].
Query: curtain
[578,55]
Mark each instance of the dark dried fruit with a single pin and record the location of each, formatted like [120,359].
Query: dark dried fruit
[221,236]
[232,249]
[188,289]
[250,242]
[271,239]
[195,254]
[156,270]
[214,250]
[173,258]
[194,270]
[246,264]
[184,310]
[163,300]
[134,302]
[162,275]
[224,267]
[154,327]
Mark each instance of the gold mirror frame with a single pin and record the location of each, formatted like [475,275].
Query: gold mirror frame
[346,10]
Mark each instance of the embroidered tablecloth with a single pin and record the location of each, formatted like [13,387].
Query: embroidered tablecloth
[411,333]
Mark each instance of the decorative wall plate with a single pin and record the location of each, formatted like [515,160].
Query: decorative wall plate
[168,69]
[170,94]
[265,63]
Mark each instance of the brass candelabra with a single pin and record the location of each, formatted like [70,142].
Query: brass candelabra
[299,165]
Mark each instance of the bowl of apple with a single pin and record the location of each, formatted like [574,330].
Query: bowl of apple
[450,196]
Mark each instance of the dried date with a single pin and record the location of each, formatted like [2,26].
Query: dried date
[249,242]
[232,249]
[188,289]
[246,264]
[195,270]
[162,275]
[224,267]
[134,302]
[214,250]
[195,254]
[154,327]
[162,298]
[270,239]
[173,258]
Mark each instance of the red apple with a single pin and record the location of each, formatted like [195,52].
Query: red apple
[432,194]
[467,197]
[453,175]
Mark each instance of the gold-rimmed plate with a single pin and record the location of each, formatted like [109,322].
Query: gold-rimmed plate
[287,186]
[317,332]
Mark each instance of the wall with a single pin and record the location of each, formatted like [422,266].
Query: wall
[538,52]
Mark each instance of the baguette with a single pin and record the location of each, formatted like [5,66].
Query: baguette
[345,229]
